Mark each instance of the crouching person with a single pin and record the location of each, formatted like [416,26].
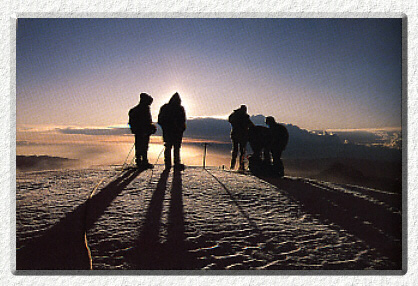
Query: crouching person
[259,139]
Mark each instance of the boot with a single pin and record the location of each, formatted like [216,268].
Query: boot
[233,161]
[147,165]
[179,167]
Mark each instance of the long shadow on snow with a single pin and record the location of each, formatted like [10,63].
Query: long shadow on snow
[63,246]
[149,252]
[240,208]
[373,223]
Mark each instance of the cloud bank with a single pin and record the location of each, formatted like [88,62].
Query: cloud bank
[303,144]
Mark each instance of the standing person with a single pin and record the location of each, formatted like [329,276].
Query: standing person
[172,119]
[240,122]
[140,122]
[279,139]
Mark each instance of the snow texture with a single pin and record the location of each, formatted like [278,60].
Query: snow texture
[202,219]
[171,8]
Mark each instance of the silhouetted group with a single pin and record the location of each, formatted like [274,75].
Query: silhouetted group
[171,118]
[266,142]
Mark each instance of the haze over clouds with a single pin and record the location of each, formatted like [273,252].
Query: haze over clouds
[95,146]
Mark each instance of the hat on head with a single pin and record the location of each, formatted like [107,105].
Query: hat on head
[145,97]
[175,99]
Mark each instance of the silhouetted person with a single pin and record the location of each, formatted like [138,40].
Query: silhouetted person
[260,141]
[279,138]
[172,119]
[140,122]
[240,122]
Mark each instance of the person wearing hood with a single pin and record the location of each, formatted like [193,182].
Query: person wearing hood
[172,119]
[140,122]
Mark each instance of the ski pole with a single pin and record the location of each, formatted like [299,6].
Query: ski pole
[123,165]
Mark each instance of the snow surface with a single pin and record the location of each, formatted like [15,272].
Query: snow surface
[201,219]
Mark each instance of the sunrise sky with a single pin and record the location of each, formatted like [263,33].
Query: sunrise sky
[314,73]
[317,74]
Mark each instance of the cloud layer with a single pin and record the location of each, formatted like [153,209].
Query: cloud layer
[365,144]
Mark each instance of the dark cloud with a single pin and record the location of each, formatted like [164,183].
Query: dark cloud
[95,131]
[36,163]
[359,137]
[24,143]
[302,143]
[208,128]
[388,138]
